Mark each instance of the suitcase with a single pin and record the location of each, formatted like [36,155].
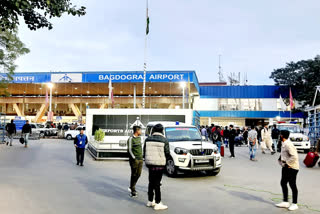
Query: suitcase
[222,151]
[311,159]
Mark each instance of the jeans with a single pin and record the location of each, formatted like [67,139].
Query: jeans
[155,177]
[80,155]
[26,138]
[10,137]
[252,151]
[136,168]
[275,144]
[289,175]
[226,142]
[219,145]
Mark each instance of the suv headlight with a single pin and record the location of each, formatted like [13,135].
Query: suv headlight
[305,138]
[181,151]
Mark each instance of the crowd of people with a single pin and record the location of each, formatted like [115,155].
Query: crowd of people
[229,136]
[155,152]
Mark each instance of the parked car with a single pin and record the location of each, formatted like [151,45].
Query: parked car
[188,151]
[71,134]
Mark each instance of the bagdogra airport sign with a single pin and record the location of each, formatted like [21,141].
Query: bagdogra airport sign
[102,77]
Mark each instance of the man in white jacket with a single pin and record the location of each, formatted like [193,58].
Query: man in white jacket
[266,138]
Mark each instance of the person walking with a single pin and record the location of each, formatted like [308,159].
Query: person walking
[232,135]
[275,137]
[245,135]
[253,143]
[11,130]
[209,132]
[226,136]
[135,159]
[156,153]
[204,132]
[289,160]
[217,138]
[26,131]
[266,138]
[80,143]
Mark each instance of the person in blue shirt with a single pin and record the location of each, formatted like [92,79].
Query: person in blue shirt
[80,143]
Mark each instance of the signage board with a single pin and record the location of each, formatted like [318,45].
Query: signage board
[66,77]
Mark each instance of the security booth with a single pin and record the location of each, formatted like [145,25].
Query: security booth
[117,125]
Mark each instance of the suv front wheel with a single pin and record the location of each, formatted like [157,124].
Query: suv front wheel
[171,169]
[69,137]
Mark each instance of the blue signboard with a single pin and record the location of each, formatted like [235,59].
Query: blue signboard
[19,124]
[137,77]
[28,77]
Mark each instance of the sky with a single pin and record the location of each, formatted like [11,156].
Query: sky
[252,37]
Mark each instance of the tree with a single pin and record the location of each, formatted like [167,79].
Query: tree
[302,76]
[36,13]
[10,49]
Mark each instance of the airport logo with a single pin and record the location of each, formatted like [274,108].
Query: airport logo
[66,77]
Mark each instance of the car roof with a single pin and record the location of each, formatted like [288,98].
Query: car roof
[166,124]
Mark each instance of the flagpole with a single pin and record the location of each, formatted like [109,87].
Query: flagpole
[145,60]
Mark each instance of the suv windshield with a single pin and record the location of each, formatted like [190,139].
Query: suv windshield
[183,134]
[292,129]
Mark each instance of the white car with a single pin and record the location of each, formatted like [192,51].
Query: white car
[188,151]
[71,134]
[299,140]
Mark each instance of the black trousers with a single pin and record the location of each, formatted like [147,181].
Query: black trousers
[136,168]
[289,175]
[231,147]
[155,177]
[80,155]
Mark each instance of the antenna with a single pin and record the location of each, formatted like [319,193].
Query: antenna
[220,74]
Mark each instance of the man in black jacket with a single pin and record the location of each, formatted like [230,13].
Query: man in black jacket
[275,137]
[232,135]
[11,129]
[156,153]
[26,131]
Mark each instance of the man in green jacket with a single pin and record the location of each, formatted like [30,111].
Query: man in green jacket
[135,159]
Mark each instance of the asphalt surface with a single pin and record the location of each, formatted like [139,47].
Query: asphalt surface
[44,179]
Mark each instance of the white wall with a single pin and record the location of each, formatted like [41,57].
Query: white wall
[205,104]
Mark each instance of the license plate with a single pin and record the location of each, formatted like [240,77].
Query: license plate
[201,161]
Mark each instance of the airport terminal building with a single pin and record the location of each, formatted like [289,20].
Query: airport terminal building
[74,92]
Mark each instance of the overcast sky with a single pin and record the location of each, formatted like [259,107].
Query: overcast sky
[252,36]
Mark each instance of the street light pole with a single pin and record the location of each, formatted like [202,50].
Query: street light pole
[50,115]
[183,86]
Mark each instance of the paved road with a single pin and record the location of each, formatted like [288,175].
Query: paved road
[44,179]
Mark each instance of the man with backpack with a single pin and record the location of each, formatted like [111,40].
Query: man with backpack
[156,153]
[11,130]
[26,131]
[275,137]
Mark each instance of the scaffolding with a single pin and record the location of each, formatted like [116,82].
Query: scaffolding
[3,123]
[314,119]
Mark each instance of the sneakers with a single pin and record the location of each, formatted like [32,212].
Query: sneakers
[293,207]
[129,189]
[283,205]
[272,153]
[133,194]
[160,206]
[151,204]
[263,152]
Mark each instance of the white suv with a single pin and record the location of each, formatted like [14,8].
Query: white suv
[188,151]
[299,140]
[70,134]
